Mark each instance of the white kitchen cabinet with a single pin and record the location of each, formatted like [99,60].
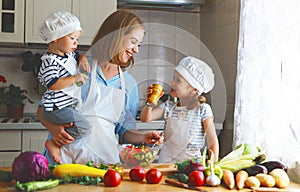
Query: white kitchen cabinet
[10,146]
[15,141]
[34,140]
[10,140]
[91,14]
[38,10]
[12,21]
[7,158]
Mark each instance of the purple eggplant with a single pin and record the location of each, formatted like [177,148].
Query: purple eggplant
[255,169]
[270,165]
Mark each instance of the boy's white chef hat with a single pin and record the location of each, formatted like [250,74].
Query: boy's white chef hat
[59,24]
[197,73]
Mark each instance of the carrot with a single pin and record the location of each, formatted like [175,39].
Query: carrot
[240,178]
[228,178]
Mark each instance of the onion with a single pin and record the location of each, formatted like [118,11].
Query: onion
[30,166]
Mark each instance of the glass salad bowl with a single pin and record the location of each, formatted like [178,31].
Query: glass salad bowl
[137,155]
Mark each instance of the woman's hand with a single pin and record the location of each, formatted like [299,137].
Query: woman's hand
[154,137]
[59,135]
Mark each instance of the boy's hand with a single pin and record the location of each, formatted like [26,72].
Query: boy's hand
[83,63]
[80,79]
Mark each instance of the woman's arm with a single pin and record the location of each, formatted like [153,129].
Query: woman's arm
[211,135]
[137,137]
[57,131]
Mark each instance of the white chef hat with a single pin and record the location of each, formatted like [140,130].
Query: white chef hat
[57,25]
[197,73]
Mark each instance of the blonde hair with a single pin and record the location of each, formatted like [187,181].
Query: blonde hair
[106,45]
[197,102]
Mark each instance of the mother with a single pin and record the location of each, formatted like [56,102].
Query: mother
[110,96]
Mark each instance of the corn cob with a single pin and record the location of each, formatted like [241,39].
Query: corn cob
[77,170]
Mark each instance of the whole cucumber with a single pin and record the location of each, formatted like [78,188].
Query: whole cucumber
[5,176]
[270,165]
[255,169]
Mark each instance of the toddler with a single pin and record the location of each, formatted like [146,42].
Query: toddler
[189,120]
[60,74]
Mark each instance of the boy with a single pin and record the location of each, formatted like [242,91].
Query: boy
[59,73]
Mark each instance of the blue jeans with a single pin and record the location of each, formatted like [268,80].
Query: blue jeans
[81,125]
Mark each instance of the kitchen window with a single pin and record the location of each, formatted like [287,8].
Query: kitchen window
[267,106]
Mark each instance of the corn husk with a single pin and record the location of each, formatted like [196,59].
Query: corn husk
[242,157]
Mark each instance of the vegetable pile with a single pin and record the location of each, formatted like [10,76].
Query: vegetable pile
[245,166]
[32,172]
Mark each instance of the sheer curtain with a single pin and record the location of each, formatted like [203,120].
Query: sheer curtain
[267,106]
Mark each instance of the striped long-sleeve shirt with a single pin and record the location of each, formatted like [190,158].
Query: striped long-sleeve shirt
[50,71]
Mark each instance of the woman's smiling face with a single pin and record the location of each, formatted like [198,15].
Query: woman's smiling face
[131,43]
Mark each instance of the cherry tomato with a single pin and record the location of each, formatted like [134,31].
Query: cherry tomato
[137,173]
[153,176]
[112,178]
[196,178]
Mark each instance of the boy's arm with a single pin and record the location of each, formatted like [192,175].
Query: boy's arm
[68,81]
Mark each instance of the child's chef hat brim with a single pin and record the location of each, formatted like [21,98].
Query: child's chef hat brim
[197,73]
[59,24]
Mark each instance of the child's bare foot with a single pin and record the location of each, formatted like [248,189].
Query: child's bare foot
[54,150]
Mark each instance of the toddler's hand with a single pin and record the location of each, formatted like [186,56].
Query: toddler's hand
[80,79]
[150,90]
[83,63]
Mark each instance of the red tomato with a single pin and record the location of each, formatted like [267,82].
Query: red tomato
[153,176]
[196,178]
[137,173]
[112,178]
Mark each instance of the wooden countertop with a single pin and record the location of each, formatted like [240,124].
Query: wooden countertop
[127,185]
